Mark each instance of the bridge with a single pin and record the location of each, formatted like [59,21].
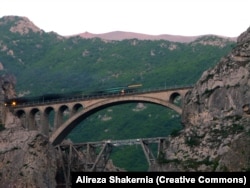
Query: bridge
[69,112]
[94,156]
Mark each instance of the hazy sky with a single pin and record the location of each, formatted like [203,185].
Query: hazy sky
[178,17]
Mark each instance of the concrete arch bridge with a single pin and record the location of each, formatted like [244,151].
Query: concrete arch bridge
[66,113]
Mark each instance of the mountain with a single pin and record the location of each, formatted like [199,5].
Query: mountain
[121,35]
[53,60]
[26,25]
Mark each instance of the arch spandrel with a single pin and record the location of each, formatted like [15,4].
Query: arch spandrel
[80,108]
[67,126]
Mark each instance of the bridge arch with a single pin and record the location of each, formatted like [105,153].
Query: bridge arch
[174,96]
[76,108]
[45,119]
[22,114]
[32,117]
[58,136]
[61,113]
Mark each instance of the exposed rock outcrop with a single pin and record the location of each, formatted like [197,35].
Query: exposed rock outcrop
[27,159]
[7,90]
[22,26]
[216,117]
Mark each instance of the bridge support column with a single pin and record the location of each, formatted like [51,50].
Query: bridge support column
[56,125]
[65,165]
[72,112]
[32,124]
[24,120]
[81,157]
[90,156]
[102,158]
[44,124]
[58,119]
[148,153]
[160,146]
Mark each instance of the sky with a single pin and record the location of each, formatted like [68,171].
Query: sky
[227,18]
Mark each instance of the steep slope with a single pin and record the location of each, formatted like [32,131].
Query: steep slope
[26,159]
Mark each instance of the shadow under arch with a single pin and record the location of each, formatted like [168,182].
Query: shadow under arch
[174,96]
[58,136]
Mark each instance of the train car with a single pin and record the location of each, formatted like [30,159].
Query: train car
[9,102]
[118,90]
[51,97]
[133,87]
[54,96]
[15,101]
[28,100]
[114,90]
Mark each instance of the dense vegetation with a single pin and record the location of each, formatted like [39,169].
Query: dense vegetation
[47,63]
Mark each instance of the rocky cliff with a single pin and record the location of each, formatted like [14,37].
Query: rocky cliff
[216,116]
[27,159]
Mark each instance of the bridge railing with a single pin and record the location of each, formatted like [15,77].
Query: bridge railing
[135,141]
[98,96]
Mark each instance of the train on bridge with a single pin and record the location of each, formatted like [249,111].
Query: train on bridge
[121,90]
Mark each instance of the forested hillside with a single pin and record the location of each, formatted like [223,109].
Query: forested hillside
[48,63]
[59,64]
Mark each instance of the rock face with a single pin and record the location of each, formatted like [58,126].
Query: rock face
[7,83]
[27,159]
[7,90]
[216,117]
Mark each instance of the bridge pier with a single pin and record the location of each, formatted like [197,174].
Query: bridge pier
[44,123]
[58,119]
[59,116]
[82,157]
[94,156]
[102,158]
[160,146]
[148,152]
[32,123]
